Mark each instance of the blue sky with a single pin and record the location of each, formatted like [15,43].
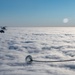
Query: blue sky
[37,12]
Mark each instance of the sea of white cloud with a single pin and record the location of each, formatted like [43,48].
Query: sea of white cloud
[42,43]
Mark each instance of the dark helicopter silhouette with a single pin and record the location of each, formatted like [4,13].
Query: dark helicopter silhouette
[2,31]
[3,28]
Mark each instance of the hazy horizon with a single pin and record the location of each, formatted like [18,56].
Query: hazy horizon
[37,13]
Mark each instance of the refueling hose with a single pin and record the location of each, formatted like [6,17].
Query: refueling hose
[29,60]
